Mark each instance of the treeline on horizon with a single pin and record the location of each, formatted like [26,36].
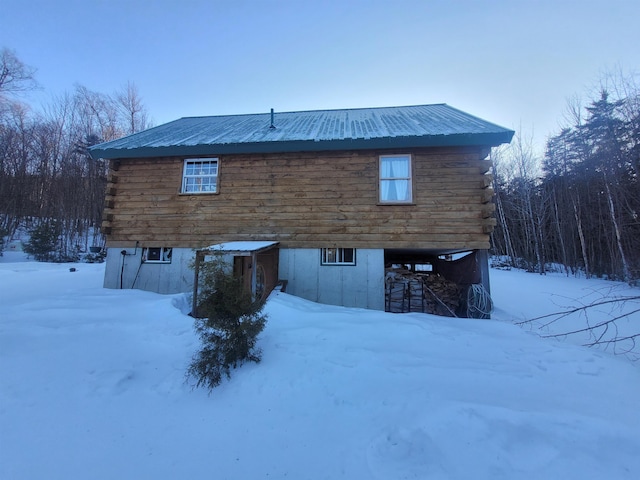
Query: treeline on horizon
[577,205]
[48,183]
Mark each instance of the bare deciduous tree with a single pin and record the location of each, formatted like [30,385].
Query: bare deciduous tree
[132,109]
[46,173]
[583,211]
[15,76]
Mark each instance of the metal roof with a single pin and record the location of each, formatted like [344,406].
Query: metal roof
[348,129]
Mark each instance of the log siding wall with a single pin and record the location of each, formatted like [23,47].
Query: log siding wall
[304,200]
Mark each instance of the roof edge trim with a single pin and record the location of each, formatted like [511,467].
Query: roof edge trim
[454,140]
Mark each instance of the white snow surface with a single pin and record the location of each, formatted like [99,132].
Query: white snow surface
[92,387]
[248,246]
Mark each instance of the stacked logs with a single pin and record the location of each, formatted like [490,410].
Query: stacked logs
[408,291]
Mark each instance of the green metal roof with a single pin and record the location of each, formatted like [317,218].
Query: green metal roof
[348,129]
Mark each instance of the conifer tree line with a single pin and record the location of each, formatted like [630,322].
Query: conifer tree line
[578,206]
[48,183]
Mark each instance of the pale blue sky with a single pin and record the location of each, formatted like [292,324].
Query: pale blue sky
[512,62]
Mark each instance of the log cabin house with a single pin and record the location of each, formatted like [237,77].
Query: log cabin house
[322,200]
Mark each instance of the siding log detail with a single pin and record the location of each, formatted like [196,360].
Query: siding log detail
[305,200]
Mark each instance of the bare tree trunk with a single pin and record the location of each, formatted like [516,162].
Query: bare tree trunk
[556,218]
[508,245]
[583,243]
[626,272]
[534,232]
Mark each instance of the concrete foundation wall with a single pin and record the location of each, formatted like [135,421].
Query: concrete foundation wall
[174,277]
[360,285]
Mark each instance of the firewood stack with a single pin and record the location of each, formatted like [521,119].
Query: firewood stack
[408,291]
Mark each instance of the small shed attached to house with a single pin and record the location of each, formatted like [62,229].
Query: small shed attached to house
[256,263]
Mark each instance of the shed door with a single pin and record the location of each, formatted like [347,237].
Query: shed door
[242,269]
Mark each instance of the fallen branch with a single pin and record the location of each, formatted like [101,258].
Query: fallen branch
[577,309]
[603,333]
[593,327]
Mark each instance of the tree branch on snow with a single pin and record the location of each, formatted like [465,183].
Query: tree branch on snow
[565,313]
[600,333]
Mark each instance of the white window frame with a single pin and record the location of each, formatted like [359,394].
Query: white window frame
[336,256]
[164,255]
[385,178]
[194,183]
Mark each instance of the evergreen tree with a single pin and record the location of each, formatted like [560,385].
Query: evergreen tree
[43,241]
[229,331]
[585,208]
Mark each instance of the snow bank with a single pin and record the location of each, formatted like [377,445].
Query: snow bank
[92,386]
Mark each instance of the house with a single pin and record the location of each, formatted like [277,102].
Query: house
[327,198]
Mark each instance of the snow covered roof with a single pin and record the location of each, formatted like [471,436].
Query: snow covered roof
[347,129]
[241,247]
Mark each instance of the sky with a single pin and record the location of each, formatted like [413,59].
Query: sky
[511,62]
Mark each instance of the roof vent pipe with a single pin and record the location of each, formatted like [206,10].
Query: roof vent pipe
[272,125]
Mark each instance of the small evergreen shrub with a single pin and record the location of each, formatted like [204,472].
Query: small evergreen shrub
[43,241]
[229,329]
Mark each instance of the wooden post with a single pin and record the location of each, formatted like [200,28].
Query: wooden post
[483,263]
[254,275]
[482,258]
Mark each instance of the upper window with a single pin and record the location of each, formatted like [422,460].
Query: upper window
[395,179]
[338,256]
[200,176]
[157,255]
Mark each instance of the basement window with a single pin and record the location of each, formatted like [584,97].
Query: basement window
[157,255]
[395,179]
[423,267]
[338,256]
[200,175]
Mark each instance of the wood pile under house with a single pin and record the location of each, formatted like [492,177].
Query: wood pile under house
[408,291]
[436,285]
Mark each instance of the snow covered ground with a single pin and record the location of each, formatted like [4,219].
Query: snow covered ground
[92,387]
